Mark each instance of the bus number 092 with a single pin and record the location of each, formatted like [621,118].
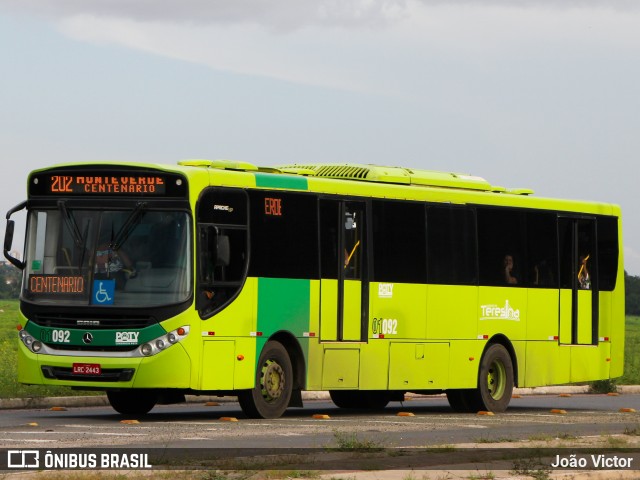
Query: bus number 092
[60,336]
[386,326]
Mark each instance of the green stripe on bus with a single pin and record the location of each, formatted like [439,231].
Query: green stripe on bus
[283,305]
[270,180]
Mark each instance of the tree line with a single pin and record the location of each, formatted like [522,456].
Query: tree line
[632,294]
[10,279]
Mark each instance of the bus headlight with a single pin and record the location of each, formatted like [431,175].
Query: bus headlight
[159,344]
[31,343]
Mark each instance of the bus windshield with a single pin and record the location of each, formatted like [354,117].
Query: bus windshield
[138,257]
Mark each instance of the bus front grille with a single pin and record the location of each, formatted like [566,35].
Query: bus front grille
[114,322]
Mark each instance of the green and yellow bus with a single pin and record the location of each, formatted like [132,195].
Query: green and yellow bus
[150,282]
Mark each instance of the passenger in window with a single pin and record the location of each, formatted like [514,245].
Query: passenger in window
[112,263]
[542,274]
[508,269]
[584,279]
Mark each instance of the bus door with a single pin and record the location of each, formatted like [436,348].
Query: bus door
[578,281]
[344,286]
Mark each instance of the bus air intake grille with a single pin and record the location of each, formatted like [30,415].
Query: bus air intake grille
[112,322]
[107,374]
[354,172]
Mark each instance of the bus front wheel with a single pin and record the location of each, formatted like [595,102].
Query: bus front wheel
[132,402]
[274,384]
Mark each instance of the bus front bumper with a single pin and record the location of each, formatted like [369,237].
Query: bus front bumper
[170,368]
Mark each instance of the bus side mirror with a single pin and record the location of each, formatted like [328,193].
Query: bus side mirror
[8,241]
[8,235]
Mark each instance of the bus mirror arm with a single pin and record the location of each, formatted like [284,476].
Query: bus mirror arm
[8,236]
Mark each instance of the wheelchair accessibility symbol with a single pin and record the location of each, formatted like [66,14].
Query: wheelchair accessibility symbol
[103,292]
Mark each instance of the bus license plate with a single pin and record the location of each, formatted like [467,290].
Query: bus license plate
[87,369]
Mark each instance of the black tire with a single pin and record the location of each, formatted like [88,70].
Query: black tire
[273,386]
[364,399]
[132,402]
[495,380]
[461,400]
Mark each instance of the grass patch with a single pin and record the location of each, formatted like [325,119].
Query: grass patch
[531,467]
[495,440]
[632,344]
[349,441]
[635,431]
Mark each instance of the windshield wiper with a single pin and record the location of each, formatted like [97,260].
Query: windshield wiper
[71,223]
[130,223]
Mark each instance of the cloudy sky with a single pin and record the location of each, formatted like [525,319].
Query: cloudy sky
[526,93]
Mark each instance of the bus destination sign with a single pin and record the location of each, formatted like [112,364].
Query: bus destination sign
[57,284]
[106,184]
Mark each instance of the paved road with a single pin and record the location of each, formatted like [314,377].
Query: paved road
[432,424]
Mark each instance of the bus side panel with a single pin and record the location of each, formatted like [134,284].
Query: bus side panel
[542,315]
[234,323]
[418,366]
[585,309]
[316,350]
[170,368]
[398,310]
[451,312]
[549,364]
[374,365]
[616,331]
[464,361]
[566,301]
[217,365]
[541,362]
[328,310]
[284,306]
[503,311]
[352,311]
[589,362]
[341,366]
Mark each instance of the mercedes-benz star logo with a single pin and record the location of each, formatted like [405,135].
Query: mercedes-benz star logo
[87,338]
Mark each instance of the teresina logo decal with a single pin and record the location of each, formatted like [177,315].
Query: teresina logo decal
[494,312]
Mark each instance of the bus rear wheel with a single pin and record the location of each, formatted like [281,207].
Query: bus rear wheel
[132,402]
[273,386]
[371,400]
[495,379]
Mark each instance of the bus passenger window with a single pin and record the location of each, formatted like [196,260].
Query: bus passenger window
[352,245]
